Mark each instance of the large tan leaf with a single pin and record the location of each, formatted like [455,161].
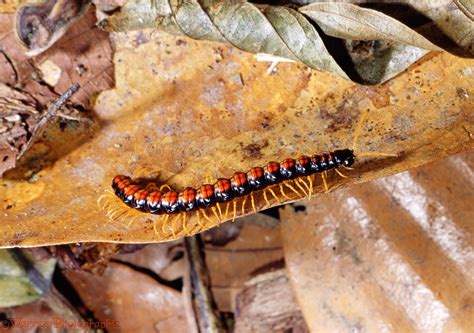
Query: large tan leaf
[184,109]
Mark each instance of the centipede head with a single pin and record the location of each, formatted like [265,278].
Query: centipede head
[344,157]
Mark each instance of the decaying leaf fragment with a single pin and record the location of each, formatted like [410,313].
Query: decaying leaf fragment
[39,26]
[286,32]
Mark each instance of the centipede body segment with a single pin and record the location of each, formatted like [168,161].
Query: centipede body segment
[151,199]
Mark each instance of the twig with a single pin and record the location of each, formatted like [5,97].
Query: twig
[39,128]
[208,318]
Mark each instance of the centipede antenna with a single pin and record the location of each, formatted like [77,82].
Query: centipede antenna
[226,210]
[253,202]
[347,168]
[359,127]
[341,174]
[220,210]
[376,153]
[283,192]
[274,195]
[310,181]
[198,213]
[243,205]
[293,189]
[165,221]
[323,176]
[265,197]
[235,211]
[165,186]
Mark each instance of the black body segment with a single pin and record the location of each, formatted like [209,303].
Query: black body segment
[150,199]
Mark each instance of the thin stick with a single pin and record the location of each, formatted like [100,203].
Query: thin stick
[206,311]
[40,127]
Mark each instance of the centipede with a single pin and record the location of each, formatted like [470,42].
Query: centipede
[290,174]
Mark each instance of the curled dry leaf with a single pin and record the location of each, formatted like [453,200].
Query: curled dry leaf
[285,32]
[183,110]
[394,254]
[40,25]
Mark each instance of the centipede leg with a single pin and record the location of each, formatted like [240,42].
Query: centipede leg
[243,205]
[220,210]
[310,181]
[206,216]
[346,167]
[265,197]
[154,227]
[226,210]
[165,221]
[297,182]
[341,174]
[283,192]
[274,195]
[306,186]
[235,211]
[323,176]
[253,202]
[131,221]
[215,214]
[198,213]
[173,224]
[293,189]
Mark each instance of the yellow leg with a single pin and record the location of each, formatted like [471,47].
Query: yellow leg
[253,202]
[154,227]
[215,214]
[199,219]
[165,220]
[305,185]
[274,195]
[310,181]
[226,210]
[206,216]
[293,189]
[220,210]
[243,206]
[341,174]
[102,197]
[358,128]
[173,224]
[235,211]
[300,187]
[265,197]
[323,176]
[131,221]
[347,168]
[283,192]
